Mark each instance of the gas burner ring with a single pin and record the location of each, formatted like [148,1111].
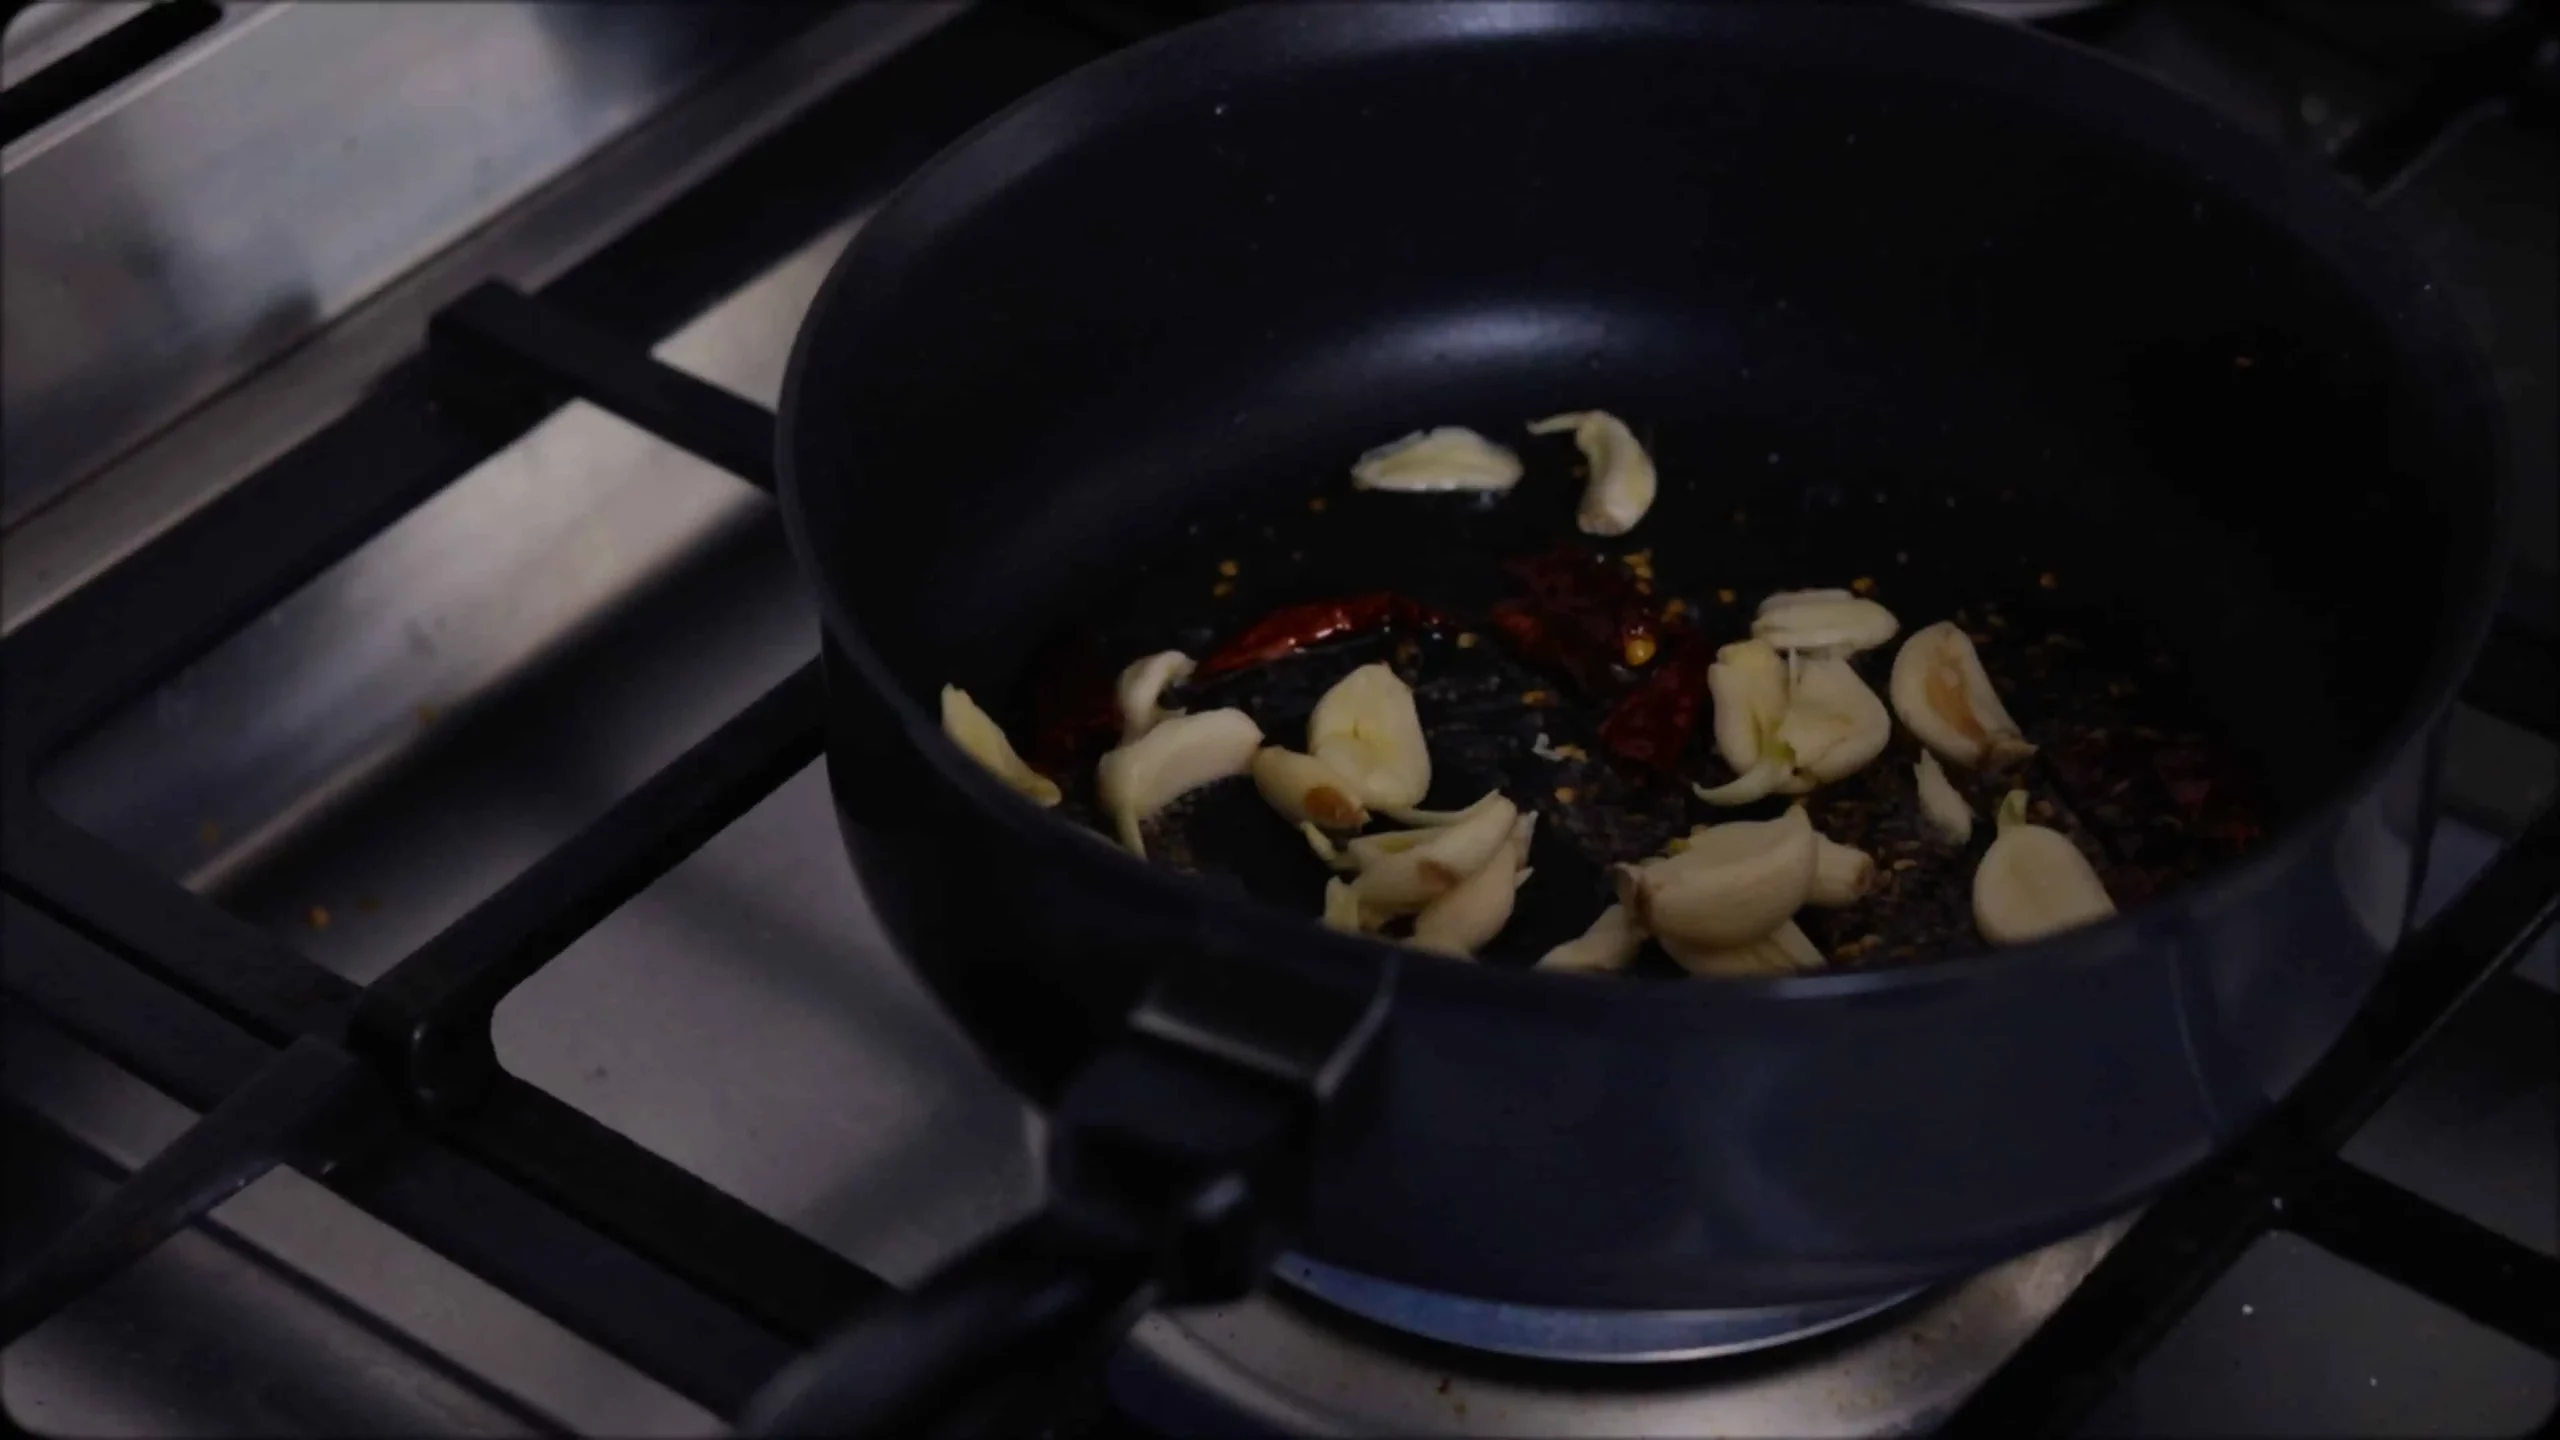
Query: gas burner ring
[1540,1332]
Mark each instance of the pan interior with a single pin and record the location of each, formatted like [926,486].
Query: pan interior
[1912,323]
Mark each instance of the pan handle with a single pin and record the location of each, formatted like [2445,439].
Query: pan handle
[1179,1162]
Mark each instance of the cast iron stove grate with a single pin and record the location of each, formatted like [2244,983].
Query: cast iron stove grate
[391,1093]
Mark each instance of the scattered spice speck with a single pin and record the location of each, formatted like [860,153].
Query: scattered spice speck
[1316,504]
[1906,863]
[1222,589]
[1566,794]
[1229,568]
[1537,697]
[427,714]
[208,834]
[368,903]
[1572,752]
[1468,639]
[2048,581]
[1863,585]
[1724,597]
[1638,650]
[317,917]
[1674,608]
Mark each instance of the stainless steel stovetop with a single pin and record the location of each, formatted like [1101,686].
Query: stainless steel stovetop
[407,732]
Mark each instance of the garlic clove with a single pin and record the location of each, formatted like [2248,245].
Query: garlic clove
[1141,690]
[1425,819]
[1834,723]
[977,733]
[1733,883]
[1775,768]
[1367,730]
[1941,805]
[1783,951]
[1823,622]
[1403,870]
[1748,683]
[1842,874]
[1342,908]
[1621,485]
[1610,944]
[1945,698]
[1325,849]
[1451,457]
[1474,910]
[2033,881]
[1181,754]
[1304,788]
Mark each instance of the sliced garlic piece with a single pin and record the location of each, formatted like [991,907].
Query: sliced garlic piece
[1610,944]
[1834,723]
[1304,788]
[1842,874]
[1141,689]
[1403,870]
[1944,697]
[1181,754]
[1748,683]
[2033,881]
[1451,457]
[1366,729]
[1733,883]
[1940,804]
[1476,908]
[1823,622]
[976,732]
[1621,486]
[1783,951]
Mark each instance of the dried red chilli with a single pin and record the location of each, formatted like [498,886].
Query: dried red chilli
[1293,628]
[1651,724]
[1580,615]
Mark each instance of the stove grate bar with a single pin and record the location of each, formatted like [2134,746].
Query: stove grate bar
[427,1019]
[2408,1239]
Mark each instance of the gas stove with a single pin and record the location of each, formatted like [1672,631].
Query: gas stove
[419,876]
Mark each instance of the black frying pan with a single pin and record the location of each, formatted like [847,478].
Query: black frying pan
[1930,299]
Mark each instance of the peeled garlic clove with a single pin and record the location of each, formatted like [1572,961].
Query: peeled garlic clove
[1366,729]
[1748,683]
[1943,695]
[976,732]
[1141,689]
[1621,486]
[1451,457]
[1402,871]
[1940,804]
[1610,944]
[1842,874]
[1834,723]
[1476,908]
[1181,754]
[1733,883]
[1304,788]
[1825,622]
[1783,951]
[2033,882]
